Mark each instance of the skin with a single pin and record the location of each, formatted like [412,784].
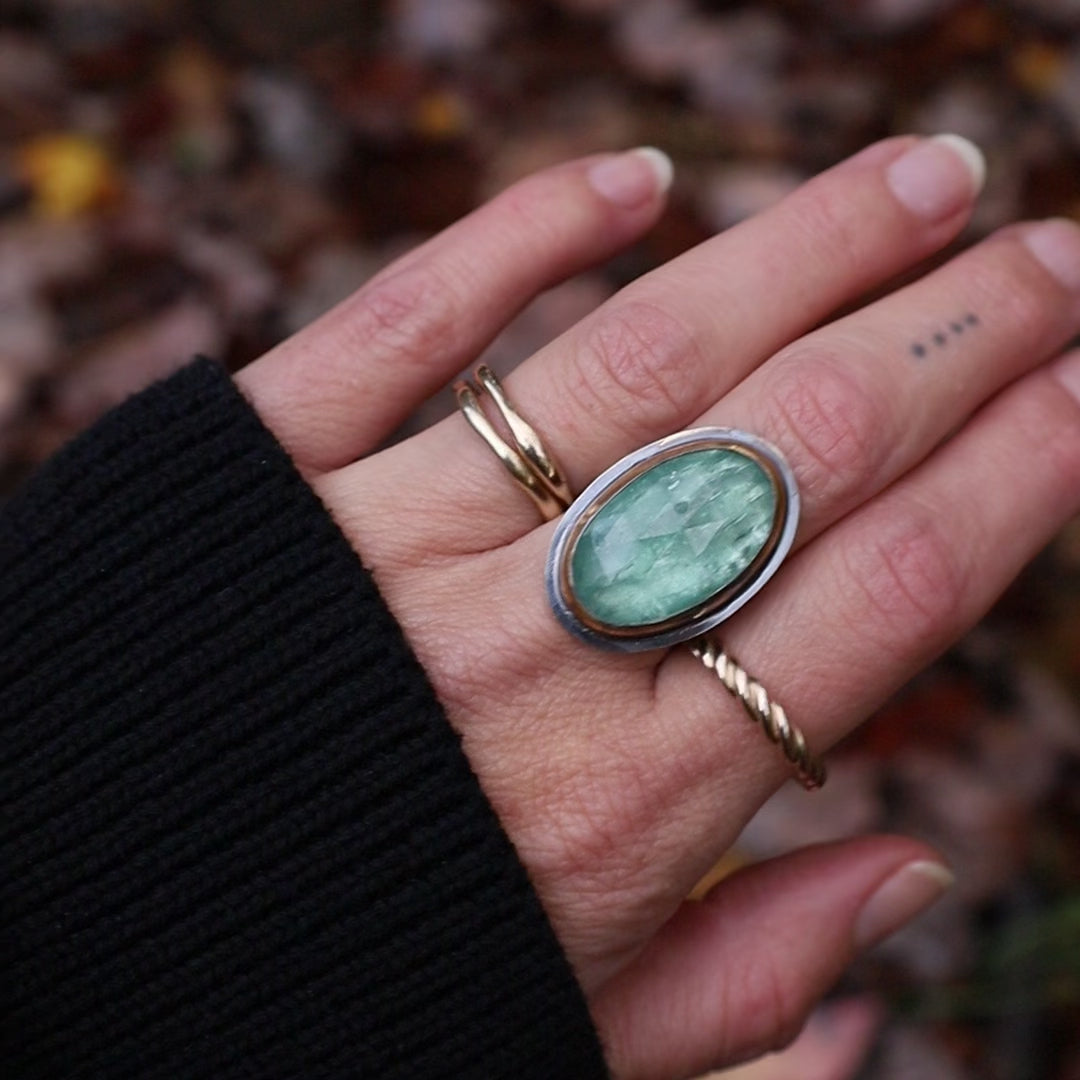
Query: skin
[621,779]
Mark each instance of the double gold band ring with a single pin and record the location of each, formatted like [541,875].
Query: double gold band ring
[663,546]
[533,469]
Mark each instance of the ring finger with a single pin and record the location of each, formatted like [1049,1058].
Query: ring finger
[858,403]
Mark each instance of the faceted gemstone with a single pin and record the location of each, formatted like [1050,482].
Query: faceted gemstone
[673,537]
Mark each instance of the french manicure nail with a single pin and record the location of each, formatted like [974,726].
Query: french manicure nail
[899,899]
[938,177]
[632,178]
[1056,244]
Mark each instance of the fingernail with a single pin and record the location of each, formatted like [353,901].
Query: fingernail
[1056,244]
[938,177]
[632,178]
[910,890]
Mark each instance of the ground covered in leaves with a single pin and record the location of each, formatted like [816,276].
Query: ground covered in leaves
[207,177]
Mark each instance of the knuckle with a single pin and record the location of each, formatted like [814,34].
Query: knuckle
[535,208]
[1018,295]
[770,1008]
[410,313]
[1045,419]
[1006,280]
[1028,313]
[1053,428]
[911,578]
[836,427]
[638,363]
[823,220]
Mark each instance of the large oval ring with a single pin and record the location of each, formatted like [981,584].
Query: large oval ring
[673,539]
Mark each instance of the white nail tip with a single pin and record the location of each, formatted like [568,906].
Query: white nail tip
[969,154]
[935,871]
[661,165]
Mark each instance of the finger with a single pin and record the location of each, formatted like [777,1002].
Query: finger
[736,975]
[649,360]
[333,391]
[856,404]
[881,593]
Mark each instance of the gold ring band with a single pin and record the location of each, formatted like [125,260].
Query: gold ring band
[534,470]
[527,460]
[762,709]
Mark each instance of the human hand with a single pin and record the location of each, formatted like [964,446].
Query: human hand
[935,451]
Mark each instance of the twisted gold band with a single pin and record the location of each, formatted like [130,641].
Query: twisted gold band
[761,709]
[536,473]
[527,461]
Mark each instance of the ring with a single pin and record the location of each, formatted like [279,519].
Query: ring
[809,768]
[664,546]
[528,461]
[673,539]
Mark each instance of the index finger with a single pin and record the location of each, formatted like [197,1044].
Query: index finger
[333,391]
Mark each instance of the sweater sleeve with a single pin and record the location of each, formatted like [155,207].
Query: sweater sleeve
[238,837]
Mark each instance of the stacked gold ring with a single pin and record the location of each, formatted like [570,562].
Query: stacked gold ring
[527,460]
[535,471]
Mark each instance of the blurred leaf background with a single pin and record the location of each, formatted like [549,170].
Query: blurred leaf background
[181,177]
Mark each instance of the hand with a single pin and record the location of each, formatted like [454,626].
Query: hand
[936,451]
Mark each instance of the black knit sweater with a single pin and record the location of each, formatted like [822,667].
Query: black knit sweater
[237,836]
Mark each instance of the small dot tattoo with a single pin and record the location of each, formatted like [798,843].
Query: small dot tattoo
[940,338]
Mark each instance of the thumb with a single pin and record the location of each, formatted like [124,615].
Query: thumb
[832,1046]
[736,974]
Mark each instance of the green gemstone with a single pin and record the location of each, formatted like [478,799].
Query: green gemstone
[673,537]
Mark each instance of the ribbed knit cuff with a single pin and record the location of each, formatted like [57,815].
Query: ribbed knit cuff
[237,836]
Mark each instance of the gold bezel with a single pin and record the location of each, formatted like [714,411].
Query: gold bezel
[718,599]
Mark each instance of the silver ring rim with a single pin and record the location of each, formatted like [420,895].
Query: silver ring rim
[695,627]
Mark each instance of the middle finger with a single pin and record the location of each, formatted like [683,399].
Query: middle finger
[677,340]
